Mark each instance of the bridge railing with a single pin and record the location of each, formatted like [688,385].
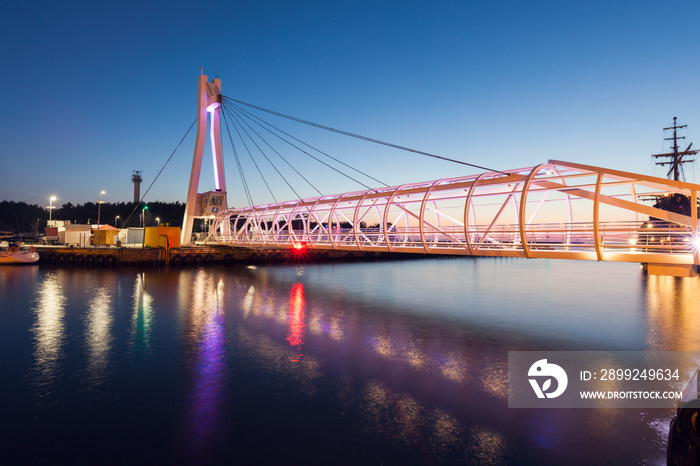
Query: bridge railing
[629,237]
[554,210]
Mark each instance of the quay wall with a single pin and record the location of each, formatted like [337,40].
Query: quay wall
[114,256]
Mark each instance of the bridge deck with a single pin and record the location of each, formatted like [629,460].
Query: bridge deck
[554,210]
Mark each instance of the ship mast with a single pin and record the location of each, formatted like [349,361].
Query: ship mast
[677,161]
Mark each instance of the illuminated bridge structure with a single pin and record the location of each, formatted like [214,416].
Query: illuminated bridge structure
[556,210]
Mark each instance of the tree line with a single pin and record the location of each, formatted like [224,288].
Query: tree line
[20,217]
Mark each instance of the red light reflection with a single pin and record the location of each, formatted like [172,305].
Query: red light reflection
[296,318]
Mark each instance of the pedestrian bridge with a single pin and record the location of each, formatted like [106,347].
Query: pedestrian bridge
[556,210]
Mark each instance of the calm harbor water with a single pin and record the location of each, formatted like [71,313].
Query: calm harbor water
[355,363]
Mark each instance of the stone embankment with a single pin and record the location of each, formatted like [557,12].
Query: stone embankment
[112,256]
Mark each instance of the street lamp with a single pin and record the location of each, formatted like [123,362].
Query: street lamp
[158,220]
[116,225]
[51,207]
[143,216]
[99,204]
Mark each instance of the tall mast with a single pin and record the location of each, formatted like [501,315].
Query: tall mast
[676,156]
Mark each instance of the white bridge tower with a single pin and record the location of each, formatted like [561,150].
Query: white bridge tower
[209,204]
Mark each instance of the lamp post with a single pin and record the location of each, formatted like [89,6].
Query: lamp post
[99,204]
[116,225]
[51,207]
[158,220]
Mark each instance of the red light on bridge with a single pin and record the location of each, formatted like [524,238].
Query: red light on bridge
[299,252]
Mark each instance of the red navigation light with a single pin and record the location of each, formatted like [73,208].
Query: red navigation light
[299,252]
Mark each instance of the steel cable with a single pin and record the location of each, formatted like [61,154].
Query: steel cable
[260,122]
[365,138]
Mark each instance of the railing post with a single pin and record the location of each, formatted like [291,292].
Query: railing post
[523,204]
[694,226]
[467,204]
[422,214]
[596,218]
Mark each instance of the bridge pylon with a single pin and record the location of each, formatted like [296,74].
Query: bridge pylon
[209,204]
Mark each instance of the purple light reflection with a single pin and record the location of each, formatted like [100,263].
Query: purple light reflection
[209,372]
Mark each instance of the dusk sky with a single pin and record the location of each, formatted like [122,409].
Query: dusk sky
[94,90]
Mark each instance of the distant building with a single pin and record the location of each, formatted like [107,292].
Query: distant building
[130,237]
[105,235]
[75,235]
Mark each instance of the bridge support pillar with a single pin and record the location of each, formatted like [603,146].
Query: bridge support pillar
[209,102]
[672,270]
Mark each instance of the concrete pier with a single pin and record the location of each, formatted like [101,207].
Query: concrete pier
[185,256]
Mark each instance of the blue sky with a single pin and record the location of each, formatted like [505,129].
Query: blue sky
[93,90]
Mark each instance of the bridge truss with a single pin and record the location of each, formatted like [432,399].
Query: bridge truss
[554,210]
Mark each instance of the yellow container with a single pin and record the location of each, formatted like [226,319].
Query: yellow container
[162,237]
[104,236]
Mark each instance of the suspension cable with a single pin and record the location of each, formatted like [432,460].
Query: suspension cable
[161,171]
[365,138]
[233,122]
[257,120]
[273,149]
[238,162]
[266,158]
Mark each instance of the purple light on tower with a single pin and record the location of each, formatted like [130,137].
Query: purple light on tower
[212,133]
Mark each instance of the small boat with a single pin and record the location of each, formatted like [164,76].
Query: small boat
[14,254]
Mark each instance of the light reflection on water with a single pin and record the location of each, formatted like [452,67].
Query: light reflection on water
[393,362]
[672,308]
[98,335]
[207,340]
[142,317]
[296,319]
[48,331]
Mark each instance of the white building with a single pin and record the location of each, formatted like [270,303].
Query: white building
[75,235]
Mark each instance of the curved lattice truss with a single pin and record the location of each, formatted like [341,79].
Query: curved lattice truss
[554,210]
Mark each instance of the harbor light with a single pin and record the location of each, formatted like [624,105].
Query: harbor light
[51,207]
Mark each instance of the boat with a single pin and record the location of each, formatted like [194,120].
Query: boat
[13,254]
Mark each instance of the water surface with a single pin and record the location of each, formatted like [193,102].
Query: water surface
[363,363]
